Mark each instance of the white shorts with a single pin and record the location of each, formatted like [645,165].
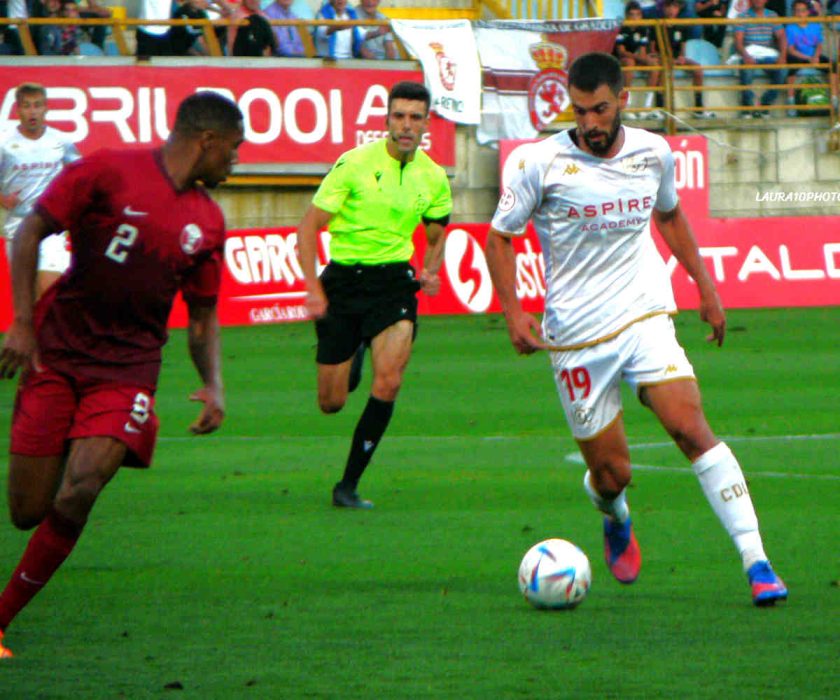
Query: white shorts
[588,380]
[53,254]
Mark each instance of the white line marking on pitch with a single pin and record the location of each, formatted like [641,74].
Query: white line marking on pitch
[574,457]
[577,458]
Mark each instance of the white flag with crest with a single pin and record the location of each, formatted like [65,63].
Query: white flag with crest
[447,52]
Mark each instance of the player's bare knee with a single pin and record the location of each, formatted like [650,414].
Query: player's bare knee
[330,403]
[25,519]
[76,498]
[386,387]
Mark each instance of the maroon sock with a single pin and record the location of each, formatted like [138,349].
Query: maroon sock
[49,546]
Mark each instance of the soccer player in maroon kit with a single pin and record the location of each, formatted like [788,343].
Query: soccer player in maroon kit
[141,228]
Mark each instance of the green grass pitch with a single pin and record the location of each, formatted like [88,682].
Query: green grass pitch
[223,572]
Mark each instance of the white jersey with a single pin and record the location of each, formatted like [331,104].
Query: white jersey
[592,216]
[27,166]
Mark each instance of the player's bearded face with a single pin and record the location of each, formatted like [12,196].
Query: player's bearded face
[220,156]
[601,140]
[598,118]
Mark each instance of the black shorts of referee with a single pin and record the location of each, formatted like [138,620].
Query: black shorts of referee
[363,300]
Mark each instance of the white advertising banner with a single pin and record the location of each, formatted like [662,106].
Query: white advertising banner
[447,52]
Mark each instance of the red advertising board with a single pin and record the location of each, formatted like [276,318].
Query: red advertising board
[304,117]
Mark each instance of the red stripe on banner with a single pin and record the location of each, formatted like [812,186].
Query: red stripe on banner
[512,82]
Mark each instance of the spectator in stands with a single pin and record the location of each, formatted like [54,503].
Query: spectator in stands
[220,9]
[188,40]
[377,42]
[687,11]
[757,45]
[49,35]
[288,38]
[636,46]
[255,37]
[677,38]
[93,11]
[15,9]
[650,9]
[338,42]
[805,45]
[71,35]
[712,9]
[153,39]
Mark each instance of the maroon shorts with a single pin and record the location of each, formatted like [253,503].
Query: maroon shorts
[53,408]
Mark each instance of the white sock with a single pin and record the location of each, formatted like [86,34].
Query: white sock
[723,483]
[616,508]
[649,99]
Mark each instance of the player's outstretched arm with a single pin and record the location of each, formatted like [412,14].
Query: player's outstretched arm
[433,258]
[675,229]
[19,346]
[313,221]
[523,328]
[205,350]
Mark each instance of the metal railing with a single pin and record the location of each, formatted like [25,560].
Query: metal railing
[670,87]
[670,84]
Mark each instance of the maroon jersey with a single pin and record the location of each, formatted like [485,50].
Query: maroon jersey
[136,241]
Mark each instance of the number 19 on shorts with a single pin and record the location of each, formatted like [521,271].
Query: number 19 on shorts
[577,382]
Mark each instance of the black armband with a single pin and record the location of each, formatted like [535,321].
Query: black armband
[443,221]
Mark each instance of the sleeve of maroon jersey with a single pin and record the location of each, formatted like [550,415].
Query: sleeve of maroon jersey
[201,286]
[70,194]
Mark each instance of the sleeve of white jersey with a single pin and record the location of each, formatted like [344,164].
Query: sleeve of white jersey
[521,195]
[71,153]
[667,197]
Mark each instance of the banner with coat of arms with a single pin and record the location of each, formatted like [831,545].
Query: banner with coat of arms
[526,63]
[447,52]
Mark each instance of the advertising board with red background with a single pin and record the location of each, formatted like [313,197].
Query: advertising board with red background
[297,119]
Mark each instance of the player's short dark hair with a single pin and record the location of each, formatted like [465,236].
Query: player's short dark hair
[800,2]
[207,110]
[409,90]
[27,89]
[591,70]
[679,3]
[632,5]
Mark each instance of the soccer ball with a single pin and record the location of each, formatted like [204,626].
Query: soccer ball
[554,574]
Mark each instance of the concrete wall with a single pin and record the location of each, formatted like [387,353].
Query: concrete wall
[746,161]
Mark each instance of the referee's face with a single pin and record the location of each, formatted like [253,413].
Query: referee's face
[407,122]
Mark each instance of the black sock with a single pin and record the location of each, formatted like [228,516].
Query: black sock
[369,431]
[698,99]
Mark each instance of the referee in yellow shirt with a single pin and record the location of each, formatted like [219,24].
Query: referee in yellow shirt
[372,201]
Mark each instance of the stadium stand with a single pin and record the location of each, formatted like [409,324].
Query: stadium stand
[720,79]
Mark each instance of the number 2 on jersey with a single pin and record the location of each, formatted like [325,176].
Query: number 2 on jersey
[123,240]
[577,379]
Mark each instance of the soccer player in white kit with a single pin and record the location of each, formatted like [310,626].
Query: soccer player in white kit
[31,155]
[591,192]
